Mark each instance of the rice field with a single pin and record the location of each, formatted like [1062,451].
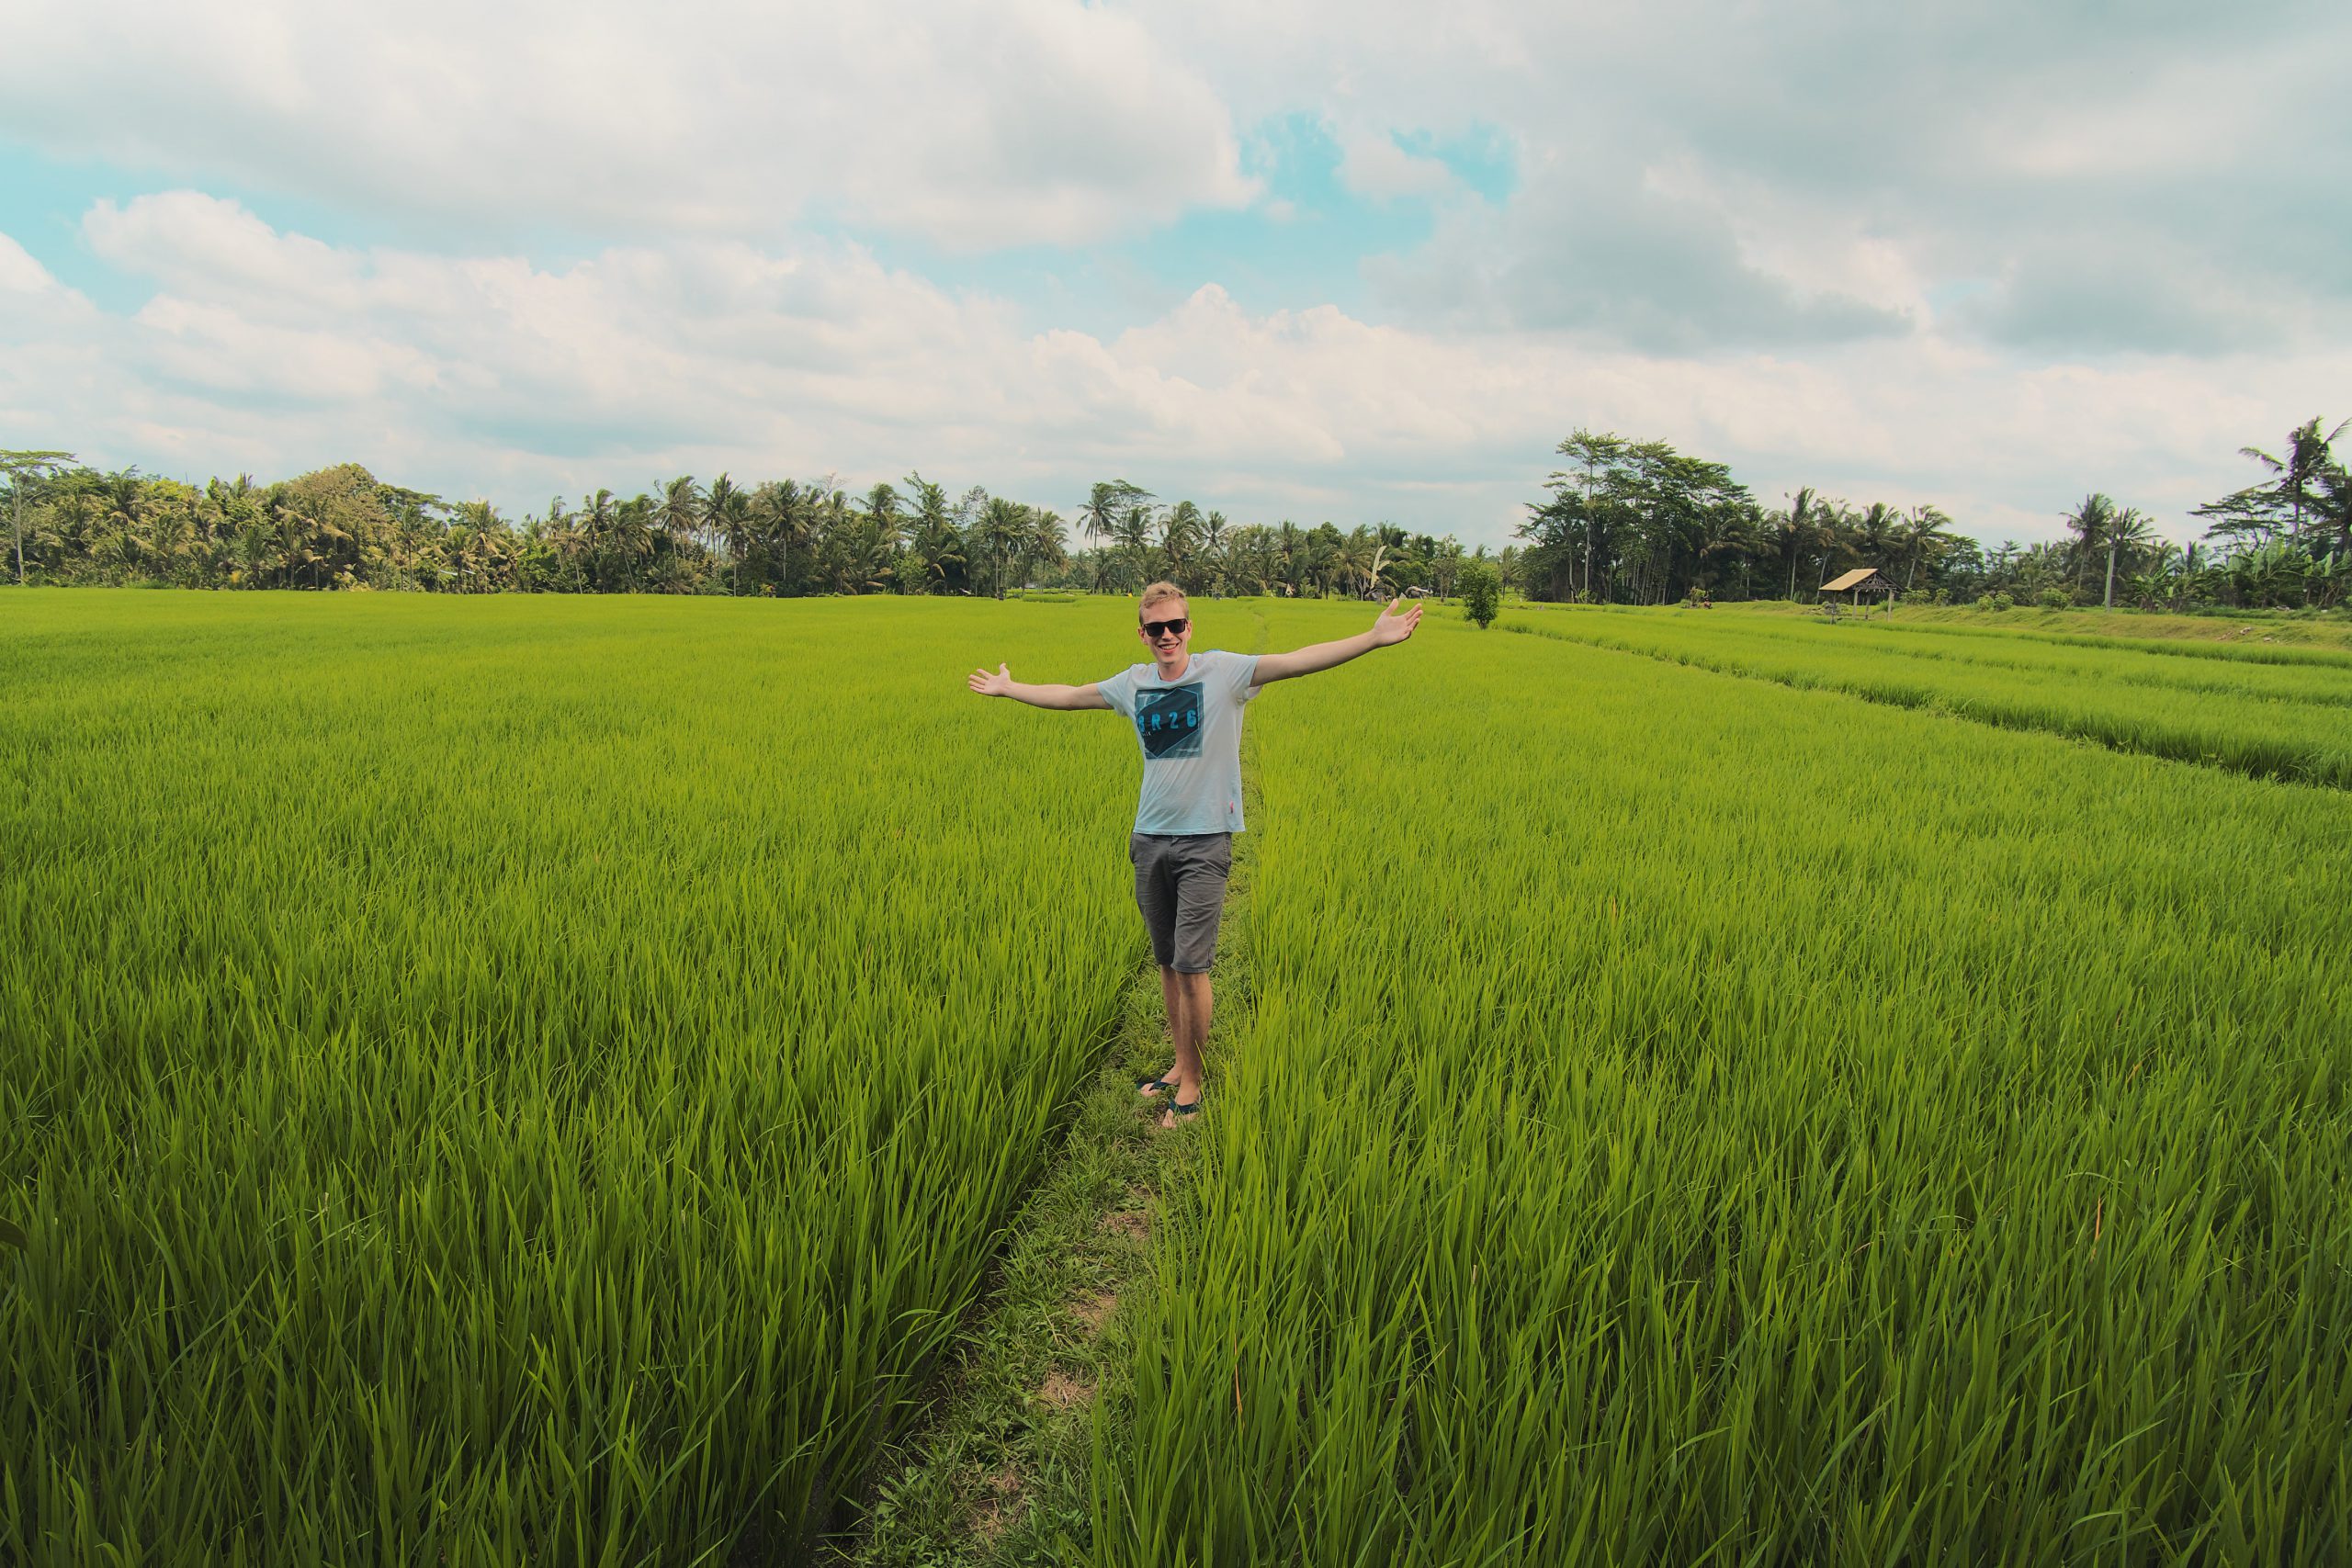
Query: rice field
[2114,661]
[2251,641]
[1687,1120]
[2258,718]
[540,1080]
[524,1079]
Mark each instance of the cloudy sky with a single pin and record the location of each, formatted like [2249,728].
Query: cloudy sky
[1358,260]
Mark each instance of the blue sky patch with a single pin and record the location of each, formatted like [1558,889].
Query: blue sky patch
[1302,245]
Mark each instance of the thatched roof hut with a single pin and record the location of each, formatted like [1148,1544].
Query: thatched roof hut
[1861,580]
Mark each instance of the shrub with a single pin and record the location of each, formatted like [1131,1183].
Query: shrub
[1482,592]
[2056,599]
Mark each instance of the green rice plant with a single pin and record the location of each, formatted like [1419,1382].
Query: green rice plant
[2250,640]
[2082,664]
[1684,1121]
[517,1079]
[2163,646]
[2267,736]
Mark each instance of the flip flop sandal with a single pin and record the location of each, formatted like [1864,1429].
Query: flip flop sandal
[1149,1088]
[1182,1111]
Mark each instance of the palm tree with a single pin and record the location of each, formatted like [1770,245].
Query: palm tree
[475,547]
[1725,530]
[782,508]
[287,526]
[932,538]
[72,522]
[249,550]
[1797,531]
[633,527]
[1003,525]
[595,527]
[576,536]
[1318,553]
[2088,522]
[1926,539]
[1875,532]
[1134,537]
[122,511]
[1100,513]
[680,510]
[1213,533]
[569,540]
[24,470]
[1046,541]
[1106,507]
[2307,457]
[935,543]
[1179,531]
[1357,561]
[883,505]
[2128,531]
[1839,533]
[171,537]
[858,543]
[1290,555]
[727,516]
[1446,566]
[2335,508]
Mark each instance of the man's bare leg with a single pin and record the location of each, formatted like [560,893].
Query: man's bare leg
[1189,1009]
[1173,994]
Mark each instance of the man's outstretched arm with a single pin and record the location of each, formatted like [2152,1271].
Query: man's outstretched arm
[1391,627]
[1002,685]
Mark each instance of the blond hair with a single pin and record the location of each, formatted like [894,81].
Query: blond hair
[1159,593]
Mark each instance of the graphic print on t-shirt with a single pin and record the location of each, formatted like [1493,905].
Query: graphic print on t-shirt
[1169,721]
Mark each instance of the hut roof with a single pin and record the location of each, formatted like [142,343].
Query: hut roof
[1854,579]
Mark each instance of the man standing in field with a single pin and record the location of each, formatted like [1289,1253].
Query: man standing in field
[1187,711]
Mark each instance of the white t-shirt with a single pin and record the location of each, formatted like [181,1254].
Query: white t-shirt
[1190,729]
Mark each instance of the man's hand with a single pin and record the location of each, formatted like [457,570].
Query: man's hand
[1390,629]
[1393,627]
[1002,685]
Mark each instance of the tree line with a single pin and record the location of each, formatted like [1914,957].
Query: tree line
[342,528]
[1638,522]
[1625,521]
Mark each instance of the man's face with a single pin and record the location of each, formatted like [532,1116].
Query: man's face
[1167,644]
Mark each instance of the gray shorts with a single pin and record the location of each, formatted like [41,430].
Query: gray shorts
[1180,887]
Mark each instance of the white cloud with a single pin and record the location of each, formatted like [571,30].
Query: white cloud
[1373,164]
[192,244]
[273,353]
[1698,176]
[19,274]
[1616,258]
[1989,256]
[1694,175]
[972,122]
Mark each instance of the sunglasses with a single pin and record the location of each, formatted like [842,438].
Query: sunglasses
[1155,629]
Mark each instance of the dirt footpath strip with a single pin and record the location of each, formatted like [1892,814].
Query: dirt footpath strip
[999,1476]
